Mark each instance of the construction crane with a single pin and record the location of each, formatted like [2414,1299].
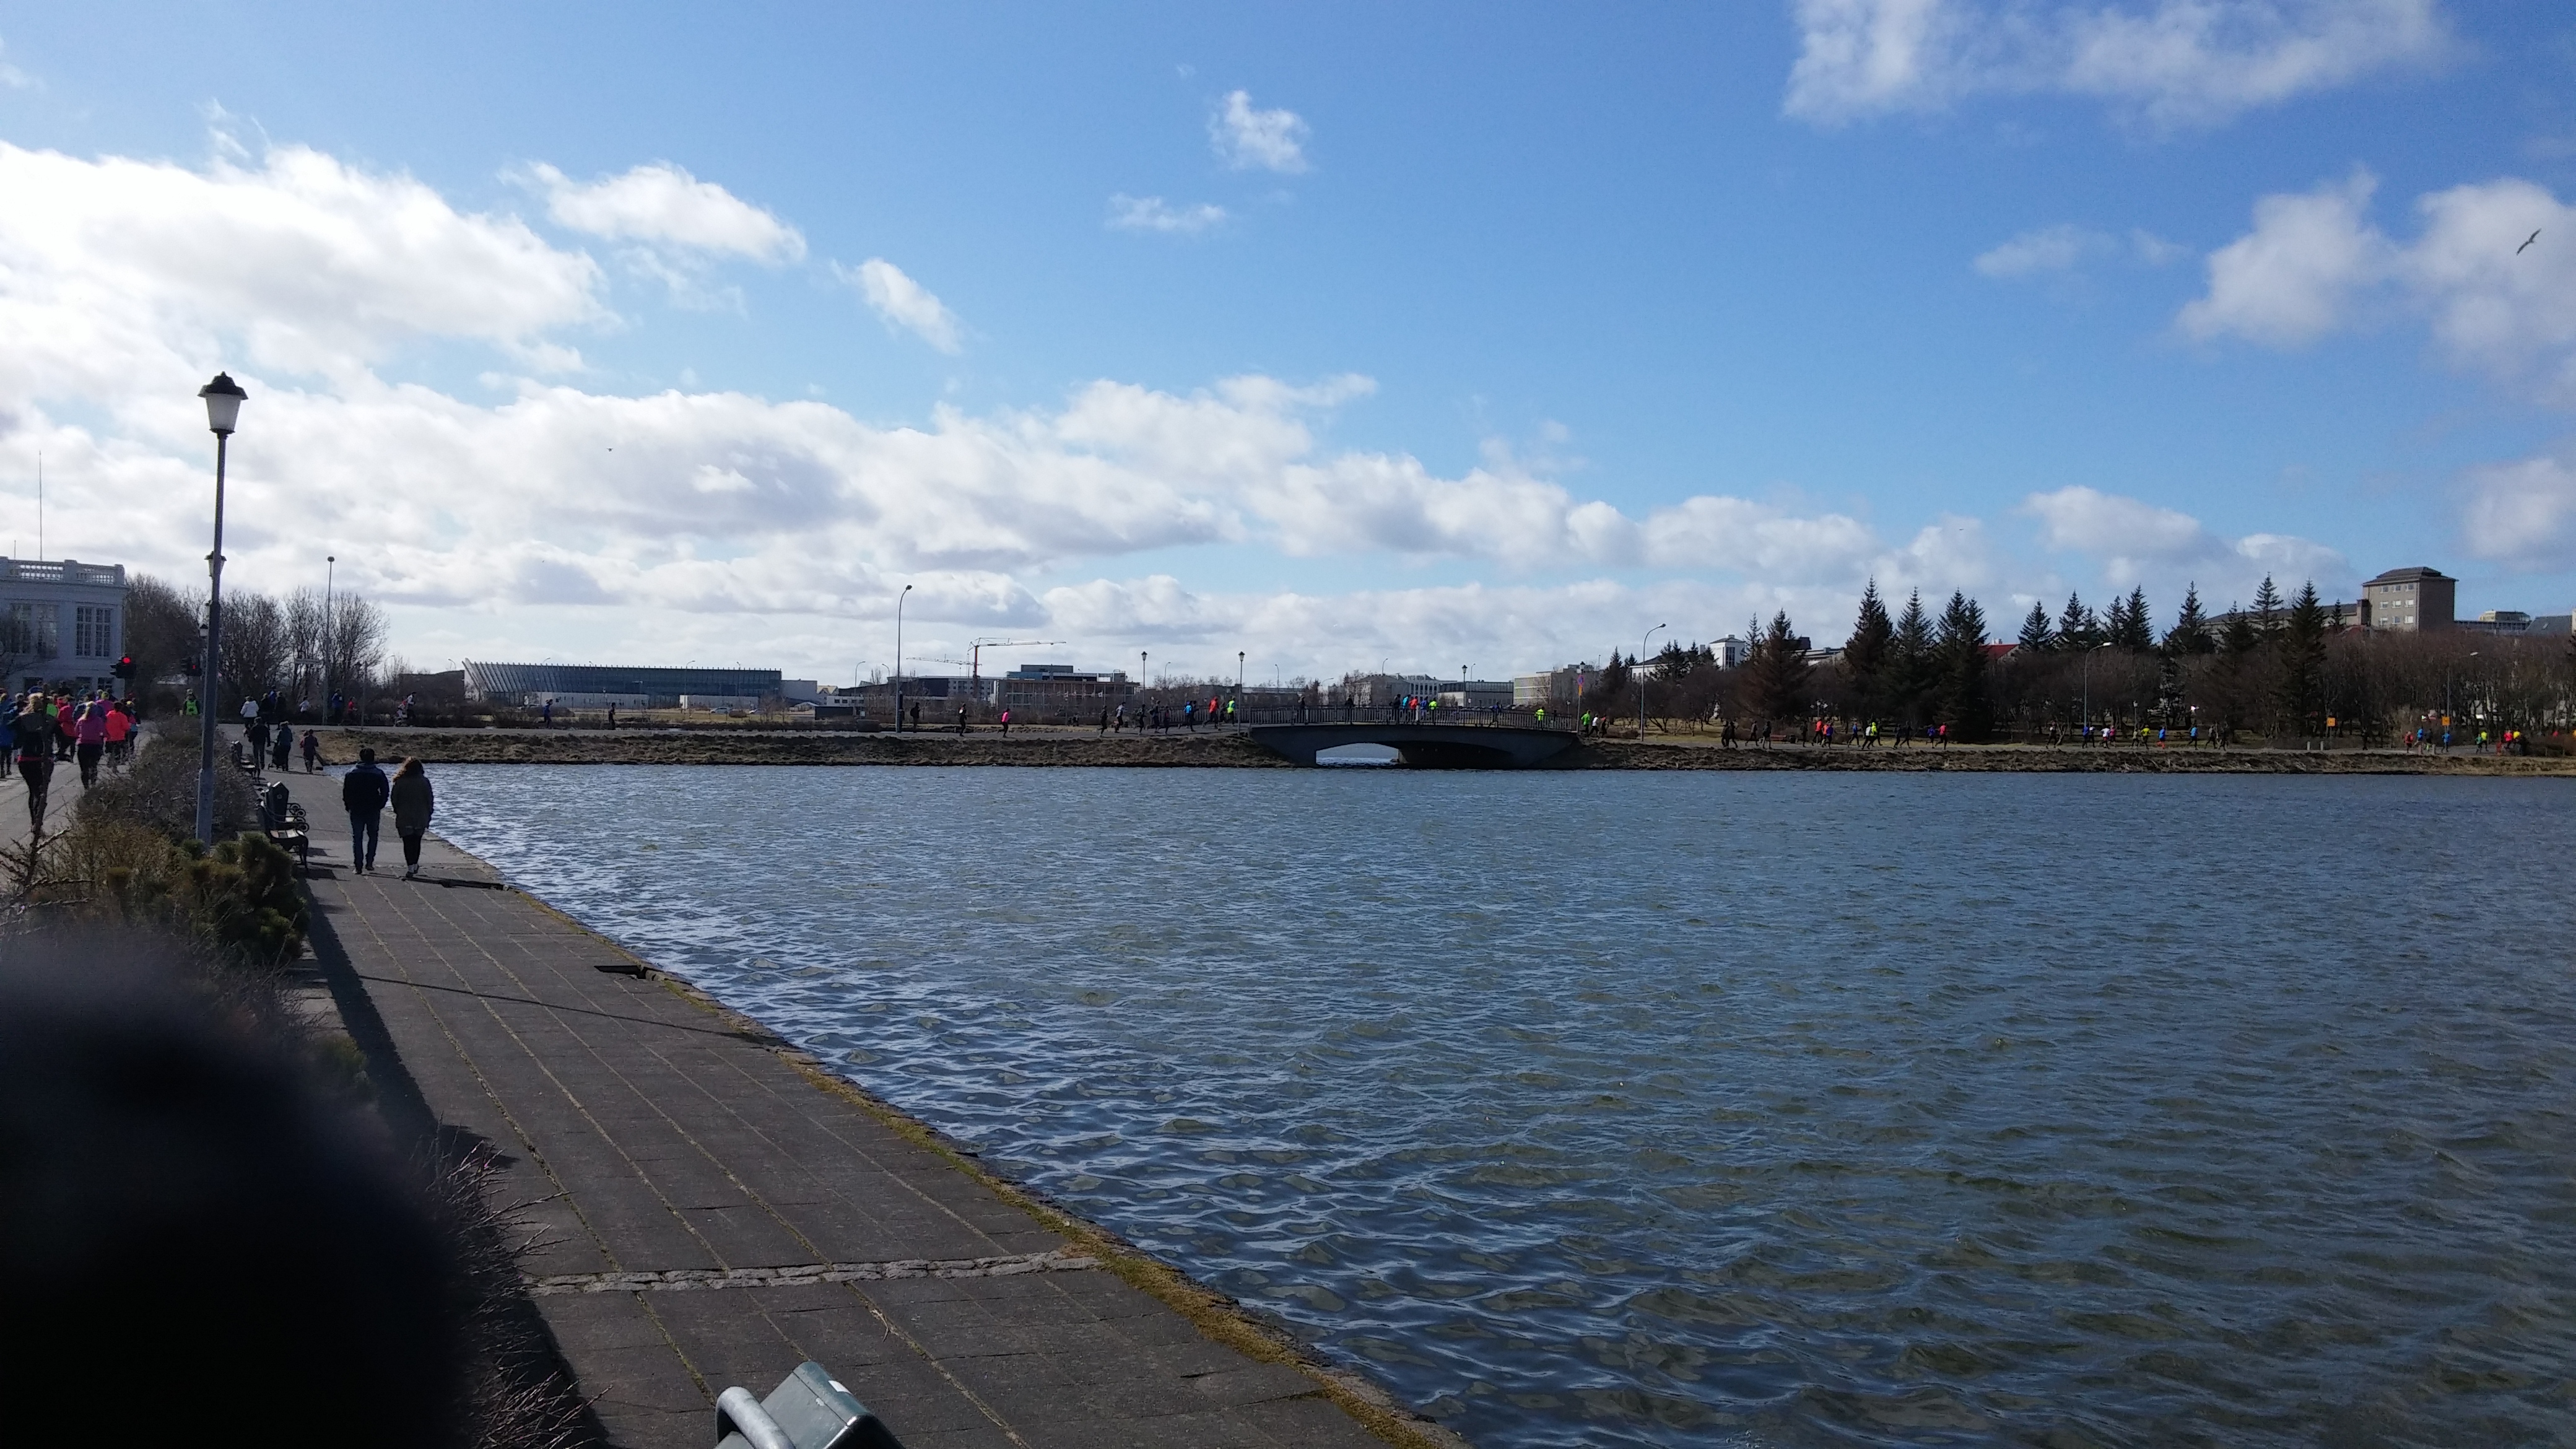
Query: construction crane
[975,664]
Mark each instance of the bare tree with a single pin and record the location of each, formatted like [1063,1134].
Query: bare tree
[258,650]
[353,652]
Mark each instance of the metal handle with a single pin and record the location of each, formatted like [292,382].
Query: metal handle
[737,1412]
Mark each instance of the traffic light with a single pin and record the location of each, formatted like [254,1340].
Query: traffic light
[192,668]
[125,667]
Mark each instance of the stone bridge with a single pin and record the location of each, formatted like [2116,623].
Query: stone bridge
[1424,746]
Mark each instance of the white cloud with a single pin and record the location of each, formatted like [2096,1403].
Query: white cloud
[2136,541]
[552,519]
[2314,264]
[2169,62]
[1153,213]
[2087,521]
[1248,140]
[12,77]
[118,275]
[2066,246]
[2047,249]
[903,302]
[2289,281]
[2523,512]
[663,205]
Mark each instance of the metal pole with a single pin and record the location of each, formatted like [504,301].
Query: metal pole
[214,654]
[1640,672]
[330,573]
[898,658]
[1238,686]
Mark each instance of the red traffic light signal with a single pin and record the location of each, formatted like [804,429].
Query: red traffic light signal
[125,667]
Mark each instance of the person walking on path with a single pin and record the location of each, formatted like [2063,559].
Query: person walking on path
[412,807]
[312,751]
[362,793]
[32,729]
[281,750]
[120,732]
[89,736]
[256,733]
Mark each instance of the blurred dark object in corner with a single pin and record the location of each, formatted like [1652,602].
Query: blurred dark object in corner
[193,1236]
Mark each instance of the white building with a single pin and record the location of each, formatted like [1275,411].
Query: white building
[61,623]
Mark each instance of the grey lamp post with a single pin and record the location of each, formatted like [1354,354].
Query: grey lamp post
[2088,688]
[223,408]
[898,658]
[1640,672]
[330,575]
[1238,685]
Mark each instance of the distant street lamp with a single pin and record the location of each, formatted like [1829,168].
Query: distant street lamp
[223,409]
[1640,672]
[1238,685]
[898,658]
[2088,687]
[330,575]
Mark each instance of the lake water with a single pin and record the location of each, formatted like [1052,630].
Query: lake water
[1708,1108]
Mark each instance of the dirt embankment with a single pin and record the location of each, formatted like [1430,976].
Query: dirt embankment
[2037,759]
[1234,751]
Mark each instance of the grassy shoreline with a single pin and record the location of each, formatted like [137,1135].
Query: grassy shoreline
[1077,747]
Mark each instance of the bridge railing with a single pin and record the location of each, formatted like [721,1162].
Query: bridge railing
[1335,714]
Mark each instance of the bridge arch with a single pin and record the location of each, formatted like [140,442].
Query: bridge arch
[1424,746]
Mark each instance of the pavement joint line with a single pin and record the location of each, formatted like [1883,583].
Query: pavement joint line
[553,1006]
[681,1280]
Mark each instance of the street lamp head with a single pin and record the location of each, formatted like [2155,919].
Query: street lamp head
[223,402]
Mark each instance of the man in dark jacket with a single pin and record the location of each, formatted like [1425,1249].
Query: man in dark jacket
[362,792]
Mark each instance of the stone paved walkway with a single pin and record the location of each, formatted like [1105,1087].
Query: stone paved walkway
[715,1216]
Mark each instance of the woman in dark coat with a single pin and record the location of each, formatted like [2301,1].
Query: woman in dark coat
[412,806]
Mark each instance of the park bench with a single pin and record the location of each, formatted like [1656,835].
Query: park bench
[283,822]
[808,1410]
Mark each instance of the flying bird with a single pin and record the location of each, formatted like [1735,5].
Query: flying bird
[2527,241]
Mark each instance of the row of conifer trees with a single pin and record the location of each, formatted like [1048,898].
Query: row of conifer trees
[2268,667]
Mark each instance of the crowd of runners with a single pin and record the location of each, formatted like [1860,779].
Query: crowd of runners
[48,728]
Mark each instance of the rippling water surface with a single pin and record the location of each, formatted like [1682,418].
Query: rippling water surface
[1686,1109]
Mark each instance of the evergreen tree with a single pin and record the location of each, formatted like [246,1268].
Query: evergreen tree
[1910,674]
[1867,654]
[2036,636]
[2132,630]
[2237,637]
[1962,653]
[2077,626]
[1777,672]
[2191,633]
[2303,661]
[1609,687]
[2268,606]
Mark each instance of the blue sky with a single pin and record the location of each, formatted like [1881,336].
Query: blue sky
[1481,334]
